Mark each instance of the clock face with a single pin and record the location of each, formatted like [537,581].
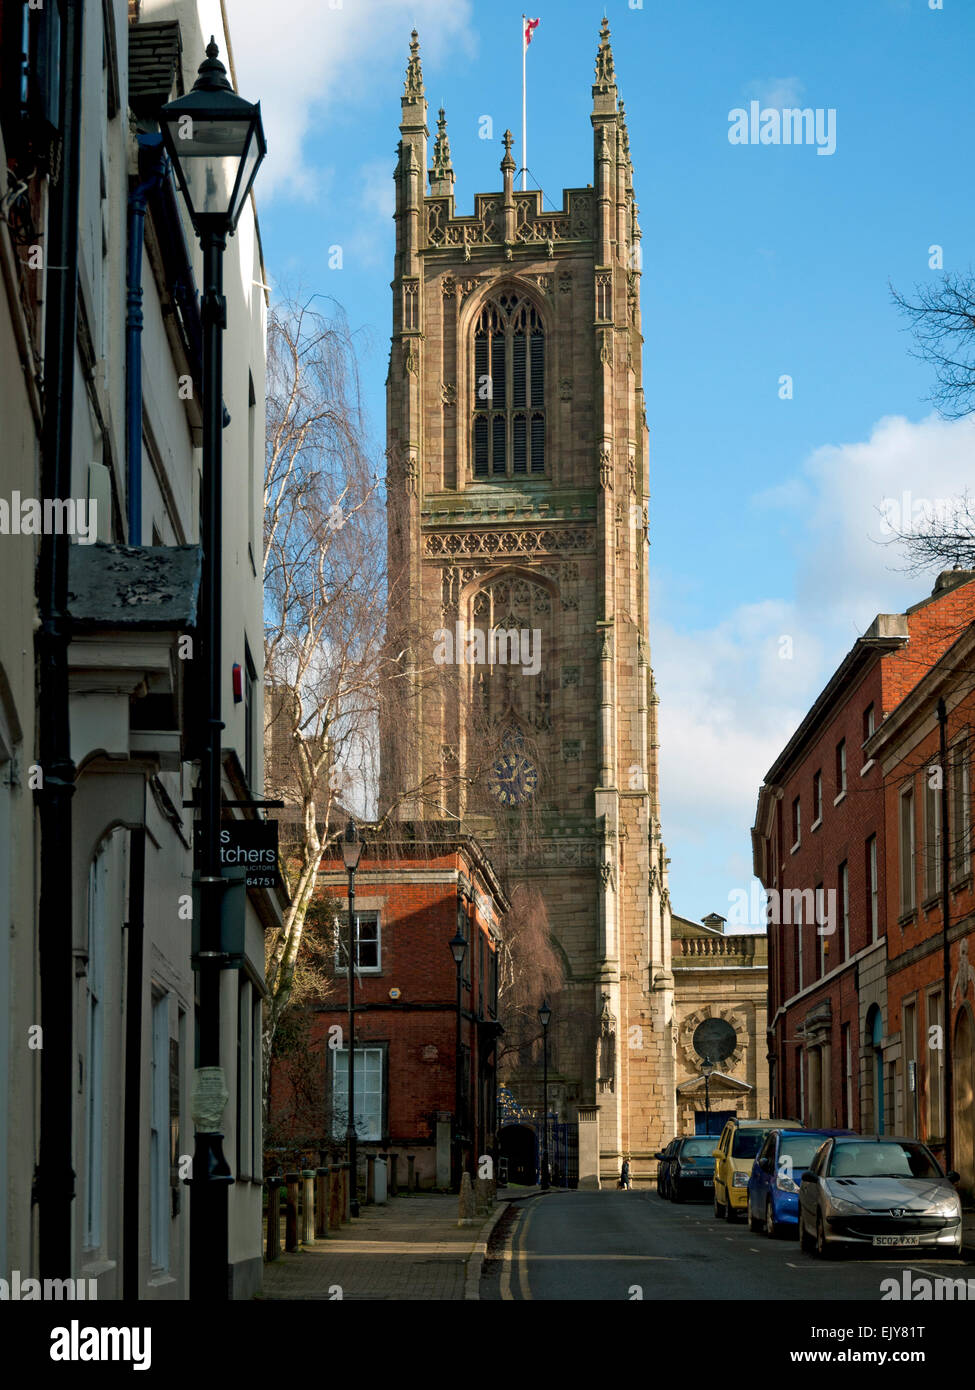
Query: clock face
[513,779]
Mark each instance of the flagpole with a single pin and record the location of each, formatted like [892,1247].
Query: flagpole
[524,109]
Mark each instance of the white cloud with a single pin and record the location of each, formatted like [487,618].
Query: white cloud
[730,696]
[305,60]
[777,92]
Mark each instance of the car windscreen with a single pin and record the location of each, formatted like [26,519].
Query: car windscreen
[884,1159]
[699,1148]
[748,1142]
[800,1149]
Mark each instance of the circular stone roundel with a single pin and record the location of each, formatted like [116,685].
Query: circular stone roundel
[714,1040]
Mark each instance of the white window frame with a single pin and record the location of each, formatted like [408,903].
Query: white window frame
[909,1054]
[960,797]
[340,1082]
[907,850]
[873,887]
[844,886]
[341,949]
[934,1015]
[932,835]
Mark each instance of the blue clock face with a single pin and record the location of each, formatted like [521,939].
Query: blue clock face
[513,779]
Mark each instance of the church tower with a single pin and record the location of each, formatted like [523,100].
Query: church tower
[518,488]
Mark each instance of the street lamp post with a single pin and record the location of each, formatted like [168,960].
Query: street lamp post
[352,853]
[545,1018]
[458,949]
[215,141]
[707,1067]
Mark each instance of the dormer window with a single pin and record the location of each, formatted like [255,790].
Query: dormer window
[508,406]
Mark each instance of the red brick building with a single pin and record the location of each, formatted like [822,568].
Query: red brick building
[921,1046]
[411,897]
[820,849]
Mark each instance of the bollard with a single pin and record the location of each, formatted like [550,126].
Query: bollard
[334,1198]
[370,1179]
[411,1172]
[273,1186]
[291,1212]
[483,1196]
[393,1185]
[308,1206]
[465,1206]
[321,1203]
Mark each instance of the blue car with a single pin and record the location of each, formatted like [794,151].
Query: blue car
[773,1188]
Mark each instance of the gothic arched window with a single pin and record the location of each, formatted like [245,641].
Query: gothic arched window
[508,407]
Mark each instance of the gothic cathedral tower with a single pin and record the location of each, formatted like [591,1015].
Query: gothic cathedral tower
[518,463]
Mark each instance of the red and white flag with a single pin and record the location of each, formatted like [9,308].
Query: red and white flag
[530,26]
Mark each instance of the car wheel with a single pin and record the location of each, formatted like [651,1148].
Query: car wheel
[730,1215]
[771,1228]
[718,1206]
[675,1192]
[806,1241]
[824,1250]
[754,1224]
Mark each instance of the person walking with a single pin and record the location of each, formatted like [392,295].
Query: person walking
[625,1175]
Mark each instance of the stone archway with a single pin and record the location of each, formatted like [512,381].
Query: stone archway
[963,1099]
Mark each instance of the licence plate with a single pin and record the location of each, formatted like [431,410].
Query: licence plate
[897,1240]
[708,1182]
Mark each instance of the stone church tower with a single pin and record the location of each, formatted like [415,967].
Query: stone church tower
[518,485]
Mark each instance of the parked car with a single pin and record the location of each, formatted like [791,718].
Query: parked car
[663,1168]
[736,1151]
[881,1191]
[691,1167]
[773,1188]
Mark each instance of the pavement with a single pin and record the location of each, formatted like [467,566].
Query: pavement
[411,1248]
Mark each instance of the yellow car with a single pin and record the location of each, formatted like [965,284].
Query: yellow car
[733,1158]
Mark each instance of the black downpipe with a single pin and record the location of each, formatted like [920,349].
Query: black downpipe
[54,1177]
[132,1134]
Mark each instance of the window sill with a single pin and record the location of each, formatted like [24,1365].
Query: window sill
[959,885]
[867,766]
[906,918]
[795,846]
[816,824]
[841,797]
[931,902]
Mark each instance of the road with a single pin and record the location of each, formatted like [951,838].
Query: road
[628,1245]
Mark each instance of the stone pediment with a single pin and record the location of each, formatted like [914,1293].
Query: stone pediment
[721,1080]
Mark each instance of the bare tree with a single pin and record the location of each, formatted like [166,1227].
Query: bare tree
[529,971]
[942,319]
[325,594]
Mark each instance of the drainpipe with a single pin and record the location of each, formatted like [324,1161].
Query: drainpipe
[152,145]
[54,1176]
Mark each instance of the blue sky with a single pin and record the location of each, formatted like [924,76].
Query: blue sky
[759,261]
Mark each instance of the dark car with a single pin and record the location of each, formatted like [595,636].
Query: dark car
[691,1168]
[663,1168]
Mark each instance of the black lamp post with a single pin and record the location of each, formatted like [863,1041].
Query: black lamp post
[458,949]
[215,142]
[707,1067]
[545,1018]
[352,853]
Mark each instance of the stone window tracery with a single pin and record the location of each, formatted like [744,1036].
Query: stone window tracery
[508,406]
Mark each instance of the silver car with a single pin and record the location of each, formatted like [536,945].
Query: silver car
[877,1190]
